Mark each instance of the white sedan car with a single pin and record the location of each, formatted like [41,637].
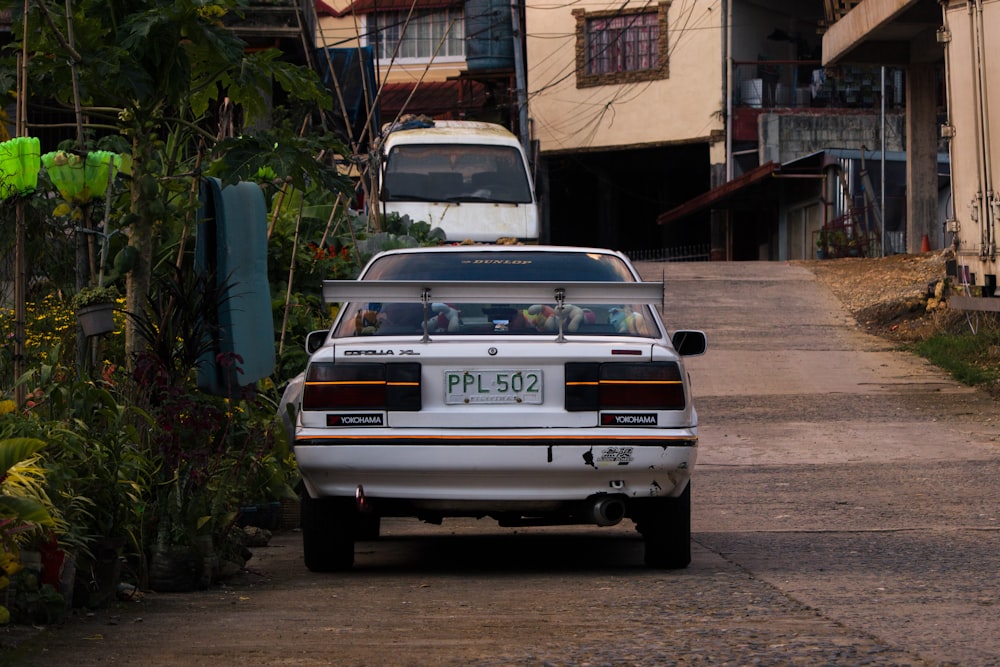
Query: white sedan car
[535,385]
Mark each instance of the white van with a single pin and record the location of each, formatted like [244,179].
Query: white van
[471,179]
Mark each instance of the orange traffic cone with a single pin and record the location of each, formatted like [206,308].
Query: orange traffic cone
[925,245]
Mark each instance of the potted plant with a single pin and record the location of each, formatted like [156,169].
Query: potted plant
[821,244]
[854,247]
[837,243]
[94,308]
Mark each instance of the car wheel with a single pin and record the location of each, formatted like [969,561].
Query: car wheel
[369,526]
[329,527]
[665,525]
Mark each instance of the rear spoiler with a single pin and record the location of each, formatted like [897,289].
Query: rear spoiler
[456,291]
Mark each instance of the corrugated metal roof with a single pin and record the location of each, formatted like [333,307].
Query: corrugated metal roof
[370,6]
[434,98]
[719,194]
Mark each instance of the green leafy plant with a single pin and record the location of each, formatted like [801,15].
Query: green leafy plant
[24,504]
[215,454]
[95,473]
[34,602]
[91,296]
[99,462]
[178,322]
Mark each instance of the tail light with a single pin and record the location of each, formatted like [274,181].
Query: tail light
[640,386]
[358,386]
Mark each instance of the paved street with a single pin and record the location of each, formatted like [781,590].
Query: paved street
[845,513]
[855,479]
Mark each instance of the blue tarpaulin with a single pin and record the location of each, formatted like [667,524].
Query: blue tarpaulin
[231,245]
[353,69]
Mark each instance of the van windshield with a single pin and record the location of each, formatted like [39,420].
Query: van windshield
[455,173]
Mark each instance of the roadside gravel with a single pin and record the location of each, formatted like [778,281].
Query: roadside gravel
[888,296]
[861,283]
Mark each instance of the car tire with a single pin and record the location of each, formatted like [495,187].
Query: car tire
[369,526]
[665,525]
[329,528]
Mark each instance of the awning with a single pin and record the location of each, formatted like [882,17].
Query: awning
[715,196]
[433,98]
[749,189]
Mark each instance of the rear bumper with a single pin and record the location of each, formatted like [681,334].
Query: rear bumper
[491,471]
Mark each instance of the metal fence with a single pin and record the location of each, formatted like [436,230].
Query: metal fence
[895,243]
[684,253]
[806,83]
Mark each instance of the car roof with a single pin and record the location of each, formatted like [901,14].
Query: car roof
[496,247]
[554,262]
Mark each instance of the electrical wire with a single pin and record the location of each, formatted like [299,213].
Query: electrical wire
[602,101]
[581,131]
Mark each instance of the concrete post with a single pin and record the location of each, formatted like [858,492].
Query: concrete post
[921,157]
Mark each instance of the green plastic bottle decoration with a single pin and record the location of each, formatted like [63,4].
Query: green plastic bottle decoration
[80,179]
[19,166]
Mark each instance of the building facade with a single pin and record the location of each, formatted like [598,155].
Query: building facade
[630,111]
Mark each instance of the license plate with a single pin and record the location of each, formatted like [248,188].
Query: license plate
[493,386]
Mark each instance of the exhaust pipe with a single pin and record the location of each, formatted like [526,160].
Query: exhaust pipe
[607,510]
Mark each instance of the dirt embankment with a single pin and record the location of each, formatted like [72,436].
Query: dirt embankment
[897,297]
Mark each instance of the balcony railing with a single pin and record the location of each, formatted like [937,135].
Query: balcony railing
[273,18]
[799,84]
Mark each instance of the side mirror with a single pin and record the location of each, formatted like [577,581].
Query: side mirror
[689,343]
[315,340]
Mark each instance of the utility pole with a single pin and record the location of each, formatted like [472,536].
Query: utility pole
[519,77]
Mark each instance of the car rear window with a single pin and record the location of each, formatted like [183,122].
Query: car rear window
[509,266]
[407,319]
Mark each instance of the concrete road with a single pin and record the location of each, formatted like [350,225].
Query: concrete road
[845,513]
[857,479]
